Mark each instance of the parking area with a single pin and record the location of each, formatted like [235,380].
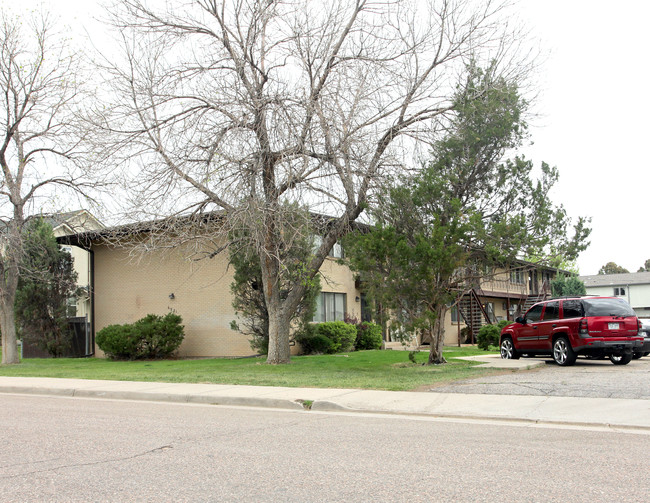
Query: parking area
[587,378]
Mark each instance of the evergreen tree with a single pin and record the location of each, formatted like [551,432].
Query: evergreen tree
[46,283]
[563,286]
[467,205]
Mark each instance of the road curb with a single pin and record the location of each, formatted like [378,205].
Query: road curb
[326,406]
[148,396]
[622,415]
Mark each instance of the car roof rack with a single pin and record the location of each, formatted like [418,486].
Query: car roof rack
[574,297]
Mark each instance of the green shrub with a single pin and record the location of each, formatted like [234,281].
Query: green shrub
[159,336]
[368,336]
[503,323]
[328,337]
[119,342]
[259,343]
[152,337]
[312,342]
[340,333]
[488,335]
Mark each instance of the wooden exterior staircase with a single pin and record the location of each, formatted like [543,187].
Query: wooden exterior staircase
[543,294]
[473,313]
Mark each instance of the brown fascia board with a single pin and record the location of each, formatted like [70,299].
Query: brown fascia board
[87,239]
[532,265]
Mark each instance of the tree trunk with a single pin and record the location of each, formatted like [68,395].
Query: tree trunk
[279,349]
[8,327]
[10,267]
[438,336]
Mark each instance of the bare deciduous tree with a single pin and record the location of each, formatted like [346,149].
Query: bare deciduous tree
[39,153]
[243,105]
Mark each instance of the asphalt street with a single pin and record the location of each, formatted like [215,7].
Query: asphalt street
[61,449]
[587,378]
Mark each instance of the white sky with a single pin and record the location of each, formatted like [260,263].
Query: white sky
[595,120]
[593,108]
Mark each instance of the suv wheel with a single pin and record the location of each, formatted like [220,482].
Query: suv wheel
[508,351]
[563,353]
[620,358]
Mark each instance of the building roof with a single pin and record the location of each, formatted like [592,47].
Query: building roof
[630,278]
[171,224]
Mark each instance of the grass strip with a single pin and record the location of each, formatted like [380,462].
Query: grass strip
[383,370]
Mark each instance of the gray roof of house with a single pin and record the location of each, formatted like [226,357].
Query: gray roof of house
[630,278]
[56,219]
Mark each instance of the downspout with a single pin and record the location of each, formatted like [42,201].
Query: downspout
[92,301]
[629,300]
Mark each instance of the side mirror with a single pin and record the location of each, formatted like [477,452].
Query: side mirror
[520,319]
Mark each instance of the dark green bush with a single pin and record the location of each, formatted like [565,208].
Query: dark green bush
[328,337]
[368,336]
[119,342]
[159,336]
[488,335]
[312,342]
[152,337]
[340,333]
[503,323]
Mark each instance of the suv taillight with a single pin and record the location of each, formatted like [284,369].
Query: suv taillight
[639,326]
[584,329]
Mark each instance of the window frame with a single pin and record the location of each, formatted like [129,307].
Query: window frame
[541,309]
[556,305]
[517,277]
[322,314]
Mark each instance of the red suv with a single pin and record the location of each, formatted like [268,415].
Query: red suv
[568,327]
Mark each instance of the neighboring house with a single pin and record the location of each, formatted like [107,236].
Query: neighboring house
[633,287]
[161,280]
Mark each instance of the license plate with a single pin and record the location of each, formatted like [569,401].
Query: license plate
[613,326]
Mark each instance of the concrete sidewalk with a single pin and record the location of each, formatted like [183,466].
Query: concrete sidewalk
[495,361]
[599,412]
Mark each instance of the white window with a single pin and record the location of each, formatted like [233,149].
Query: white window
[336,251]
[619,291]
[489,309]
[330,307]
[71,306]
[517,276]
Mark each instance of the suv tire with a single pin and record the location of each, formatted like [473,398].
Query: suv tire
[508,351]
[620,359]
[563,353]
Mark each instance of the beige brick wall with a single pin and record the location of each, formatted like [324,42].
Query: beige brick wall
[338,278]
[126,290]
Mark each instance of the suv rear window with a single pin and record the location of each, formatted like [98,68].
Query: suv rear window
[552,311]
[607,307]
[572,309]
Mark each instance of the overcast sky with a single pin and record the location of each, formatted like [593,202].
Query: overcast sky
[595,120]
[593,108]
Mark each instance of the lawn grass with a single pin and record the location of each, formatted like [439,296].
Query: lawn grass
[386,370]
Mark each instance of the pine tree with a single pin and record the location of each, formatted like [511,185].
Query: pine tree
[47,281]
